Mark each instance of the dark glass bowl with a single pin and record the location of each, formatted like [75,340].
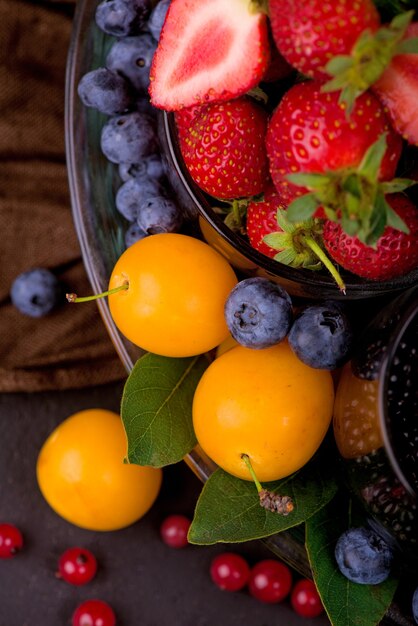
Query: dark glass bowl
[298,282]
[376,421]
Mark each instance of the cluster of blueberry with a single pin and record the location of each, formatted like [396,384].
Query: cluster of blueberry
[259,314]
[129,137]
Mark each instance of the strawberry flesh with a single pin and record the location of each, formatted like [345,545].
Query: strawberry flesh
[397,89]
[209,51]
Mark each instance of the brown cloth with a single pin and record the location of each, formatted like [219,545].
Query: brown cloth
[70,347]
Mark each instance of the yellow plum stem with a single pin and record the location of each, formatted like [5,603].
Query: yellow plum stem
[72,297]
[247,462]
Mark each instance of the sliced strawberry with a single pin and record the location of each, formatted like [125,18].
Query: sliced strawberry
[209,51]
[395,254]
[225,149]
[397,89]
[310,33]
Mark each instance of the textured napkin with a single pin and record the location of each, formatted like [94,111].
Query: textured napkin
[70,347]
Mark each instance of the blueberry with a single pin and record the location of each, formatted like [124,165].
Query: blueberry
[258,313]
[159,215]
[106,91]
[121,18]
[415,605]
[135,193]
[128,138]
[132,57]
[36,292]
[157,18]
[321,336]
[363,556]
[134,234]
[151,167]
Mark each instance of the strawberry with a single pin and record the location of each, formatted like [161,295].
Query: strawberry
[261,219]
[311,143]
[184,119]
[224,151]
[395,254]
[209,51]
[297,245]
[397,89]
[310,33]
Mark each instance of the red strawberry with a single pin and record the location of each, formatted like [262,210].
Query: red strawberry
[310,133]
[297,245]
[225,150]
[310,33]
[395,254]
[185,117]
[261,219]
[397,89]
[209,51]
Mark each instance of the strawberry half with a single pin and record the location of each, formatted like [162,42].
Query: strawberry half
[224,150]
[395,253]
[209,51]
[397,89]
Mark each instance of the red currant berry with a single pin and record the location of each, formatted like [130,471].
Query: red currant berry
[305,599]
[11,541]
[270,581]
[94,613]
[77,566]
[230,571]
[174,531]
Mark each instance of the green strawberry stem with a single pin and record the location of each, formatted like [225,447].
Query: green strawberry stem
[269,500]
[353,74]
[352,196]
[316,249]
[72,297]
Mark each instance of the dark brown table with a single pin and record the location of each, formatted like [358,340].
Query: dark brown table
[147,583]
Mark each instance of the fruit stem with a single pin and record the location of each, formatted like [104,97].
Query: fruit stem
[269,500]
[72,297]
[316,249]
[247,462]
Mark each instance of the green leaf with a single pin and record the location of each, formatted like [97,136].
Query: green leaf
[228,509]
[156,408]
[277,241]
[337,65]
[397,185]
[393,220]
[309,180]
[346,603]
[407,46]
[302,208]
[370,164]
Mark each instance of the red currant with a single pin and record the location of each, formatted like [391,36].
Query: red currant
[270,581]
[11,541]
[94,613]
[230,571]
[77,566]
[174,531]
[305,599]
